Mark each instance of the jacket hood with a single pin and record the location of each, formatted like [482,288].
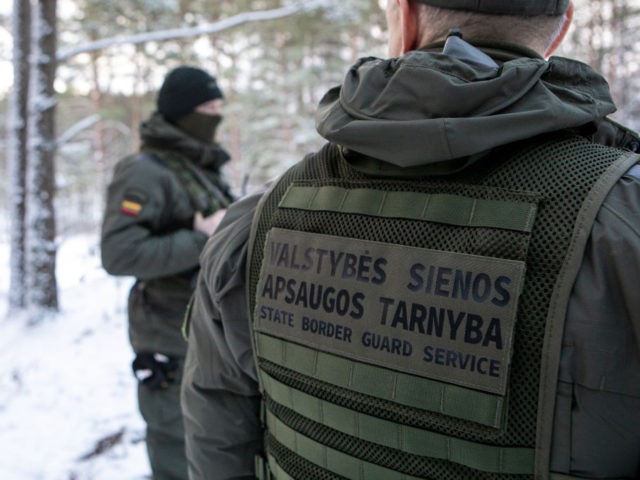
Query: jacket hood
[426,107]
[159,135]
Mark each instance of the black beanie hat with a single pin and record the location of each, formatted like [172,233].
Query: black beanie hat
[183,89]
[505,7]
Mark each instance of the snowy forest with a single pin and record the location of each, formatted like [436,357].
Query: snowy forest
[85,73]
[77,79]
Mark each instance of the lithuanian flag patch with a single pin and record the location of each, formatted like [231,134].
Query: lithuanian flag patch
[130,208]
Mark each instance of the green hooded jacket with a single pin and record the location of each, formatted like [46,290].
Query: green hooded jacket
[148,233]
[431,113]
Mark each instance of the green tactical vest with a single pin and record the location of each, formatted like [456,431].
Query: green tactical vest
[411,328]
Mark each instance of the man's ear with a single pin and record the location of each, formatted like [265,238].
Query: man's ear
[568,17]
[410,23]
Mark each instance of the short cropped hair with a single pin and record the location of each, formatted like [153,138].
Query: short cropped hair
[536,32]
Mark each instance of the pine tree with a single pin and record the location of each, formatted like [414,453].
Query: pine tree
[21,27]
[42,294]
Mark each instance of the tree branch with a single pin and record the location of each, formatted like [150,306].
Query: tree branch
[163,35]
[77,128]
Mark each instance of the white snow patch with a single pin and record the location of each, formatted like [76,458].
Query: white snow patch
[66,384]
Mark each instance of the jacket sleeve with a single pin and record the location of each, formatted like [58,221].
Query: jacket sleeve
[147,229]
[598,412]
[220,394]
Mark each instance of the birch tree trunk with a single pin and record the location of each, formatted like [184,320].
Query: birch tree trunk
[18,107]
[42,292]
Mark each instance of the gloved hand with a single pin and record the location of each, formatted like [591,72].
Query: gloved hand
[155,370]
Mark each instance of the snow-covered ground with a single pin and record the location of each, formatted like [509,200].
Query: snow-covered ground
[67,396]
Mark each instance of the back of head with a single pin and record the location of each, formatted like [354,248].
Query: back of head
[183,89]
[504,7]
[530,23]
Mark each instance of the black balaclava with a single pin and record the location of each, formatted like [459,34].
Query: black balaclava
[200,126]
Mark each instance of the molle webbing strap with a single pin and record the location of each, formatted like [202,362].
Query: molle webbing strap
[262,468]
[328,458]
[559,476]
[212,188]
[278,471]
[205,196]
[393,435]
[409,390]
[442,208]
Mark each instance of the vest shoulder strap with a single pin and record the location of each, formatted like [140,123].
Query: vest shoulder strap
[560,302]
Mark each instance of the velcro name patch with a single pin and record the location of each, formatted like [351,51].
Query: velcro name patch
[439,315]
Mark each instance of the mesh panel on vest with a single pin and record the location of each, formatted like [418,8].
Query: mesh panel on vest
[561,169]
[408,464]
[376,407]
[296,466]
